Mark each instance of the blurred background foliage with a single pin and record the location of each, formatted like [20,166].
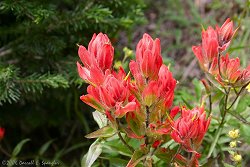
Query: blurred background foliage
[39,84]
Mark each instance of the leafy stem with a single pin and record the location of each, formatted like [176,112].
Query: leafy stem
[147,123]
[219,64]
[177,152]
[219,130]
[237,95]
[122,139]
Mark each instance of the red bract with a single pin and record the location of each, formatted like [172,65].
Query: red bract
[225,34]
[166,84]
[190,127]
[244,77]
[96,60]
[160,90]
[208,50]
[230,71]
[112,95]
[148,56]
[2,132]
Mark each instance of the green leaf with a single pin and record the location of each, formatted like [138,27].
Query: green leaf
[212,147]
[198,88]
[136,125]
[186,103]
[117,162]
[94,152]
[218,94]
[113,146]
[100,119]
[242,104]
[245,132]
[45,147]
[106,131]
[136,158]
[239,117]
[227,165]
[212,79]
[18,147]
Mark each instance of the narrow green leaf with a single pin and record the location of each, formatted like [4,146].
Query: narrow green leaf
[106,131]
[212,147]
[18,147]
[45,147]
[94,152]
[245,133]
[239,117]
[227,165]
[198,88]
[136,158]
[186,103]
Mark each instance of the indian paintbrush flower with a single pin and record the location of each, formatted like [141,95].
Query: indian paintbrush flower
[190,127]
[148,57]
[225,70]
[96,60]
[225,34]
[208,50]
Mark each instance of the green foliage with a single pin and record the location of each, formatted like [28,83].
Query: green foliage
[13,87]
[39,83]
[39,38]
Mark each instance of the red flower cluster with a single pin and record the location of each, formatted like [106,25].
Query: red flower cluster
[190,128]
[96,60]
[145,100]
[108,91]
[225,70]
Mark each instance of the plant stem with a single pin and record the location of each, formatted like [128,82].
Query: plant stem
[210,105]
[125,143]
[190,163]
[147,123]
[177,152]
[122,139]
[219,130]
[237,96]
[219,64]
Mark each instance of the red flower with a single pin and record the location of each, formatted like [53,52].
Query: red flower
[138,76]
[148,56]
[2,132]
[230,73]
[244,77]
[112,95]
[225,34]
[166,84]
[190,128]
[96,60]
[161,89]
[208,50]
[229,68]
